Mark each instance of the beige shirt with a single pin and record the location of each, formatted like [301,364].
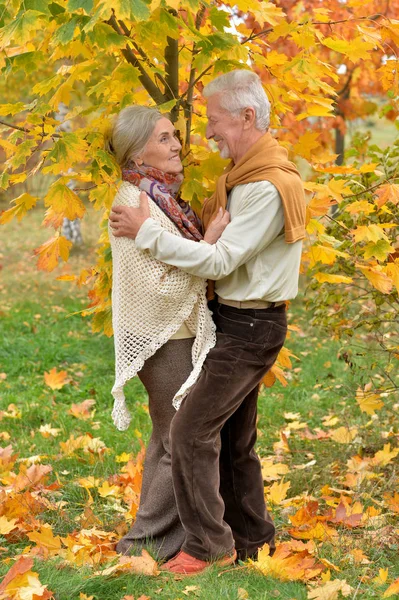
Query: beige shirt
[250,261]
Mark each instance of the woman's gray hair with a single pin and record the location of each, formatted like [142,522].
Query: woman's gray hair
[241,89]
[131,130]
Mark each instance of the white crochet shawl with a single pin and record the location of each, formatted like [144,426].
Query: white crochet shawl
[150,301]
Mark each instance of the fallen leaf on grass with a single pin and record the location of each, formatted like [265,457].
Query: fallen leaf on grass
[191,589]
[55,379]
[286,564]
[20,583]
[7,525]
[82,410]
[330,590]
[140,565]
[278,491]
[242,594]
[392,590]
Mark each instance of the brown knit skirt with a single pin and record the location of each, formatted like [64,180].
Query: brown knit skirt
[157,526]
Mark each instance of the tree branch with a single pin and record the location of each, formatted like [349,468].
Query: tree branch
[188,105]
[15,127]
[145,79]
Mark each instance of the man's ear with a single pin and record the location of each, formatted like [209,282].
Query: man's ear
[249,117]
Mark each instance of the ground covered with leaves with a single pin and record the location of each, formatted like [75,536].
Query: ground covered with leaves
[71,481]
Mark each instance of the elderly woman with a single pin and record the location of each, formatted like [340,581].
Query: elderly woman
[162,326]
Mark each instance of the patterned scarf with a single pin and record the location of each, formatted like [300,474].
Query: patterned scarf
[162,188]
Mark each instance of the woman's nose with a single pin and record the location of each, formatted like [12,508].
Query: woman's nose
[177,145]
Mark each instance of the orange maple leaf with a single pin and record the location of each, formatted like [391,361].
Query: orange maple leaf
[82,410]
[51,251]
[55,379]
[392,590]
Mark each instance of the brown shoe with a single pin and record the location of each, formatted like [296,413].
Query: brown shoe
[185,564]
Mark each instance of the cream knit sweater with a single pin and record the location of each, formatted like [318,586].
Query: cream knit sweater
[150,302]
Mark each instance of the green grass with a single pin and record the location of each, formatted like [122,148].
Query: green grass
[41,328]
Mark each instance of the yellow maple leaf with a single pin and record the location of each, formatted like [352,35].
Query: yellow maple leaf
[46,540]
[140,565]
[368,402]
[360,206]
[278,491]
[331,278]
[7,525]
[307,143]
[51,251]
[385,456]
[338,188]
[331,590]
[273,471]
[107,490]
[381,577]
[343,435]
[55,379]
[392,271]
[23,203]
[64,201]
[377,277]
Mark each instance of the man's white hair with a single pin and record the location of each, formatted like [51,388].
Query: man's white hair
[241,89]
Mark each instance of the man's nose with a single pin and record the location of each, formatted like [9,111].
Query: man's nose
[209,132]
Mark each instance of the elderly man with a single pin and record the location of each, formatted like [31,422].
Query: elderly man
[255,265]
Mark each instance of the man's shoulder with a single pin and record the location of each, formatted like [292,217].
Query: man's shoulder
[255,189]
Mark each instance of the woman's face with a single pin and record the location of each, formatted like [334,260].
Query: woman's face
[163,148]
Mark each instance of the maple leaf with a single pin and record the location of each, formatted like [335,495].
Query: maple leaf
[368,402]
[51,251]
[392,590]
[7,525]
[286,564]
[330,590]
[392,501]
[55,379]
[307,143]
[82,410]
[381,577]
[48,431]
[140,565]
[377,278]
[272,471]
[385,456]
[22,204]
[45,540]
[331,278]
[343,435]
[387,193]
[278,491]
[341,517]
[64,201]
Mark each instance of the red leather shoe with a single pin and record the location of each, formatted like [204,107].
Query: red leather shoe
[185,564]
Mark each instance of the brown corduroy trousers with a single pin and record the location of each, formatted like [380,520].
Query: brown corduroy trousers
[219,487]
[157,526]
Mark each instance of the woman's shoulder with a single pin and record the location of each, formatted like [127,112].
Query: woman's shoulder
[127,195]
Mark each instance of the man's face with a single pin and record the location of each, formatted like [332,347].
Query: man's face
[225,129]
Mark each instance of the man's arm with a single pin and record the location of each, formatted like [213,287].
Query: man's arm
[258,222]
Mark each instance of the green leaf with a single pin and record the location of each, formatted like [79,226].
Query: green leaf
[66,32]
[87,5]
[379,250]
[104,36]
[21,155]
[39,5]
[219,18]
[140,10]
[56,9]
[20,29]
[67,151]
[4,180]
[27,62]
